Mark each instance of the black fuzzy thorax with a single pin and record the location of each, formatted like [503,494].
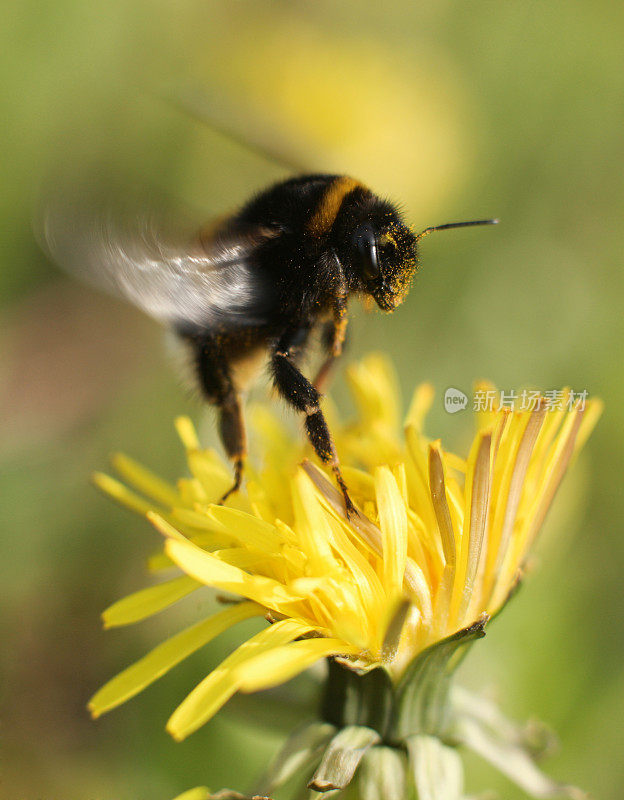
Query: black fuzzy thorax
[294,262]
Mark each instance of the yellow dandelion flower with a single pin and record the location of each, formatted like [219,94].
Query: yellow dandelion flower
[436,548]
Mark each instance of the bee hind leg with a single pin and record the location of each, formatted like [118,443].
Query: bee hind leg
[233,436]
[297,390]
[218,388]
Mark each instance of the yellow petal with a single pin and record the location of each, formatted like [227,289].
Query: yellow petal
[331,498]
[477,491]
[509,494]
[198,793]
[282,663]
[248,530]
[422,400]
[362,573]
[121,493]
[593,412]
[208,569]
[164,657]
[145,481]
[158,562]
[556,465]
[192,492]
[213,477]
[164,527]
[146,602]
[186,432]
[360,483]
[217,688]
[440,505]
[311,524]
[393,524]
[418,589]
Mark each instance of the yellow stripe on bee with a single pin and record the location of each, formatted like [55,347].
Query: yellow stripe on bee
[328,209]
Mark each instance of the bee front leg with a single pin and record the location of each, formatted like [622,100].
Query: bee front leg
[334,336]
[333,343]
[297,390]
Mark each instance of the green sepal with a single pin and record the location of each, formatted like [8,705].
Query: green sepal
[535,737]
[506,747]
[358,698]
[342,757]
[436,770]
[382,775]
[299,754]
[422,695]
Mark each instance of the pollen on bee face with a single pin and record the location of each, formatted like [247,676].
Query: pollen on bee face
[387,238]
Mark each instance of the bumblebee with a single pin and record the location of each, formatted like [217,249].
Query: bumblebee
[252,286]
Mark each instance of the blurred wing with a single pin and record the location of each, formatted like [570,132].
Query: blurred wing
[161,264]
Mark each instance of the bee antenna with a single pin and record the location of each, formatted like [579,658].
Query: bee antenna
[218,116]
[448,225]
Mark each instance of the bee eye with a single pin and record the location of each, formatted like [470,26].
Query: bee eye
[365,252]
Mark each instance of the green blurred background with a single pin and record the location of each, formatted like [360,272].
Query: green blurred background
[458,109]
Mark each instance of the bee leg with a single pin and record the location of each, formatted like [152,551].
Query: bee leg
[217,387]
[233,436]
[297,390]
[333,339]
[323,375]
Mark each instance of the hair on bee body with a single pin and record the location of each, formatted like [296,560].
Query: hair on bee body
[251,287]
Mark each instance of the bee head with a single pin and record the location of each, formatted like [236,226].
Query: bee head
[376,249]
[384,258]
